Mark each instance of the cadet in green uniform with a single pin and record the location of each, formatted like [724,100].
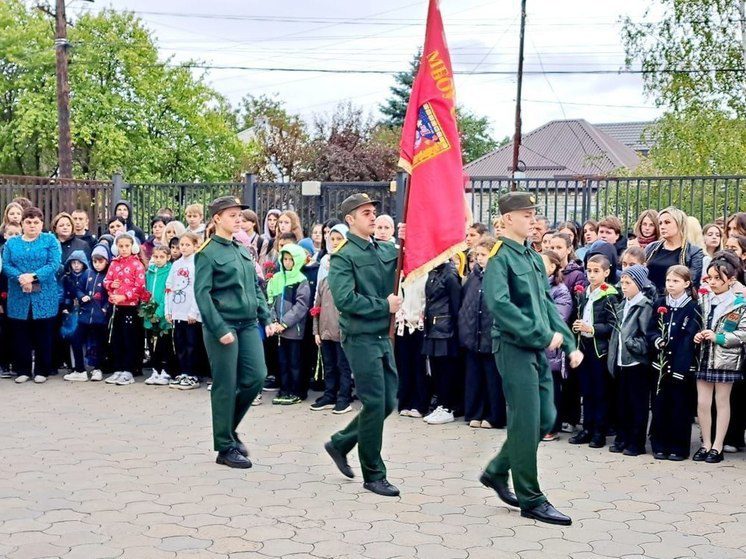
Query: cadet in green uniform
[525,324]
[361,280]
[230,302]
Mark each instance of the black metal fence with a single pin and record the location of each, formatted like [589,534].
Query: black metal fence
[706,198]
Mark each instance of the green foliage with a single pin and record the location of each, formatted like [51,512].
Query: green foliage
[129,111]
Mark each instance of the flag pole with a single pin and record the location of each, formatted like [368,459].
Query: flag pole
[517,133]
[402,198]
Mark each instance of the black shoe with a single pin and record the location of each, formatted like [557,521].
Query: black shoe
[545,512]
[700,455]
[677,458]
[583,437]
[381,487]
[661,456]
[233,459]
[241,448]
[323,404]
[629,451]
[271,384]
[339,459]
[502,489]
[597,441]
[713,457]
[616,448]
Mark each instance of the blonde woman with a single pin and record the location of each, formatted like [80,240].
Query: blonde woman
[172,229]
[289,222]
[694,232]
[672,249]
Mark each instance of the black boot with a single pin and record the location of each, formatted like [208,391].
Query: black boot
[503,491]
[381,487]
[339,459]
[233,459]
[583,437]
[545,512]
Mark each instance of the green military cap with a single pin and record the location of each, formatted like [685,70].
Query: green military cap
[225,202]
[351,203]
[516,201]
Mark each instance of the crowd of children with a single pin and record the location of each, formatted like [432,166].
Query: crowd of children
[659,315]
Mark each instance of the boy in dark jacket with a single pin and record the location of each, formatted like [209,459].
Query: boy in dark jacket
[485,401]
[594,326]
[628,359]
[73,283]
[94,311]
[289,295]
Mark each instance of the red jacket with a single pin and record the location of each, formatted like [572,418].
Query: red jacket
[130,273]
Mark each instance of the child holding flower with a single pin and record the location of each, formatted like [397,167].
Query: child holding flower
[594,326]
[673,326]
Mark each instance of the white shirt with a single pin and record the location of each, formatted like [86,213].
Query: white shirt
[591,296]
[181,303]
[724,301]
[677,303]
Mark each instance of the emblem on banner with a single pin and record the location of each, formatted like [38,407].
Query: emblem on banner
[430,140]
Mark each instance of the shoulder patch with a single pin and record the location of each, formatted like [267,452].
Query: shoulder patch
[339,247]
[203,245]
[496,248]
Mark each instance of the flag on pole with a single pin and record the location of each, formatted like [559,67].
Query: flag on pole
[430,151]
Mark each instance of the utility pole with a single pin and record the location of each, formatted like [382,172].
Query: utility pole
[65,151]
[742,12]
[517,134]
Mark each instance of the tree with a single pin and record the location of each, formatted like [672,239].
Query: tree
[277,138]
[692,55]
[129,111]
[474,130]
[348,146]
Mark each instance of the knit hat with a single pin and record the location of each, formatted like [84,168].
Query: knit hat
[131,235]
[101,251]
[638,274]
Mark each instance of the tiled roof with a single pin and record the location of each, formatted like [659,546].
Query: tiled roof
[560,148]
[631,134]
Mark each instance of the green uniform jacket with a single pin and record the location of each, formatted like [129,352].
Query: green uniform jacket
[361,277]
[226,286]
[517,294]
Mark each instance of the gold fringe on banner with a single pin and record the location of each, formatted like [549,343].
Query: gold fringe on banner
[430,265]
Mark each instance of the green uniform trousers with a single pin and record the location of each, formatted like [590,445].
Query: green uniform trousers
[238,373]
[529,393]
[372,362]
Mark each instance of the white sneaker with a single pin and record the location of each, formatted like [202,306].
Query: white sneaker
[404,413]
[730,449]
[415,413]
[209,387]
[257,401]
[5,374]
[163,379]
[176,381]
[188,383]
[77,377]
[112,379]
[125,378]
[432,413]
[38,379]
[20,379]
[96,375]
[440,416]
[153,378]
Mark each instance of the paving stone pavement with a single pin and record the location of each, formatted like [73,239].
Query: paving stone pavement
[97,471]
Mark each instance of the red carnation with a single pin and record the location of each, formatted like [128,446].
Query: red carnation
[146,297]
[604,286]
[579,289]
[269,276]
[703,291]
[269,265]
[662,310]
[315,311]
[4,295]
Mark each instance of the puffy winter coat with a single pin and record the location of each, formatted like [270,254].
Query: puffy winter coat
[443,300]
[130,273]
[727,351]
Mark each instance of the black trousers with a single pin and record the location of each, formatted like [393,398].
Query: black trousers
[309,358]
[6,348]
[77,347]
[445,372]
[95,340]
[126,340]
[289,355]
[569,410]
[162,356]
[414,389]
[594,385]
[484,398]
[557,382]
[33,336]
[673,408]
[190,349]
[337,373]
[633,406]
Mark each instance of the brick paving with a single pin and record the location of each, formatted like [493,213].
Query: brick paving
[98,471]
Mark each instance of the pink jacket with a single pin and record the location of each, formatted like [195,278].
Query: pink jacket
[130,273]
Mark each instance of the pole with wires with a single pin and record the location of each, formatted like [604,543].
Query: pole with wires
[65,149]
[517,134]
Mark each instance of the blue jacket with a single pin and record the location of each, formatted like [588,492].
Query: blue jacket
[41,257]
[98,309]
[73,285]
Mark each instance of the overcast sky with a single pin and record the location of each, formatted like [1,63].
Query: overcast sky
[384,34]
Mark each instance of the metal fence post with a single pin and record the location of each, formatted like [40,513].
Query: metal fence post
[401,192]
[248,192]
[118,190]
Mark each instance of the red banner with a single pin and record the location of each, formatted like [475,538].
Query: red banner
[430,151]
